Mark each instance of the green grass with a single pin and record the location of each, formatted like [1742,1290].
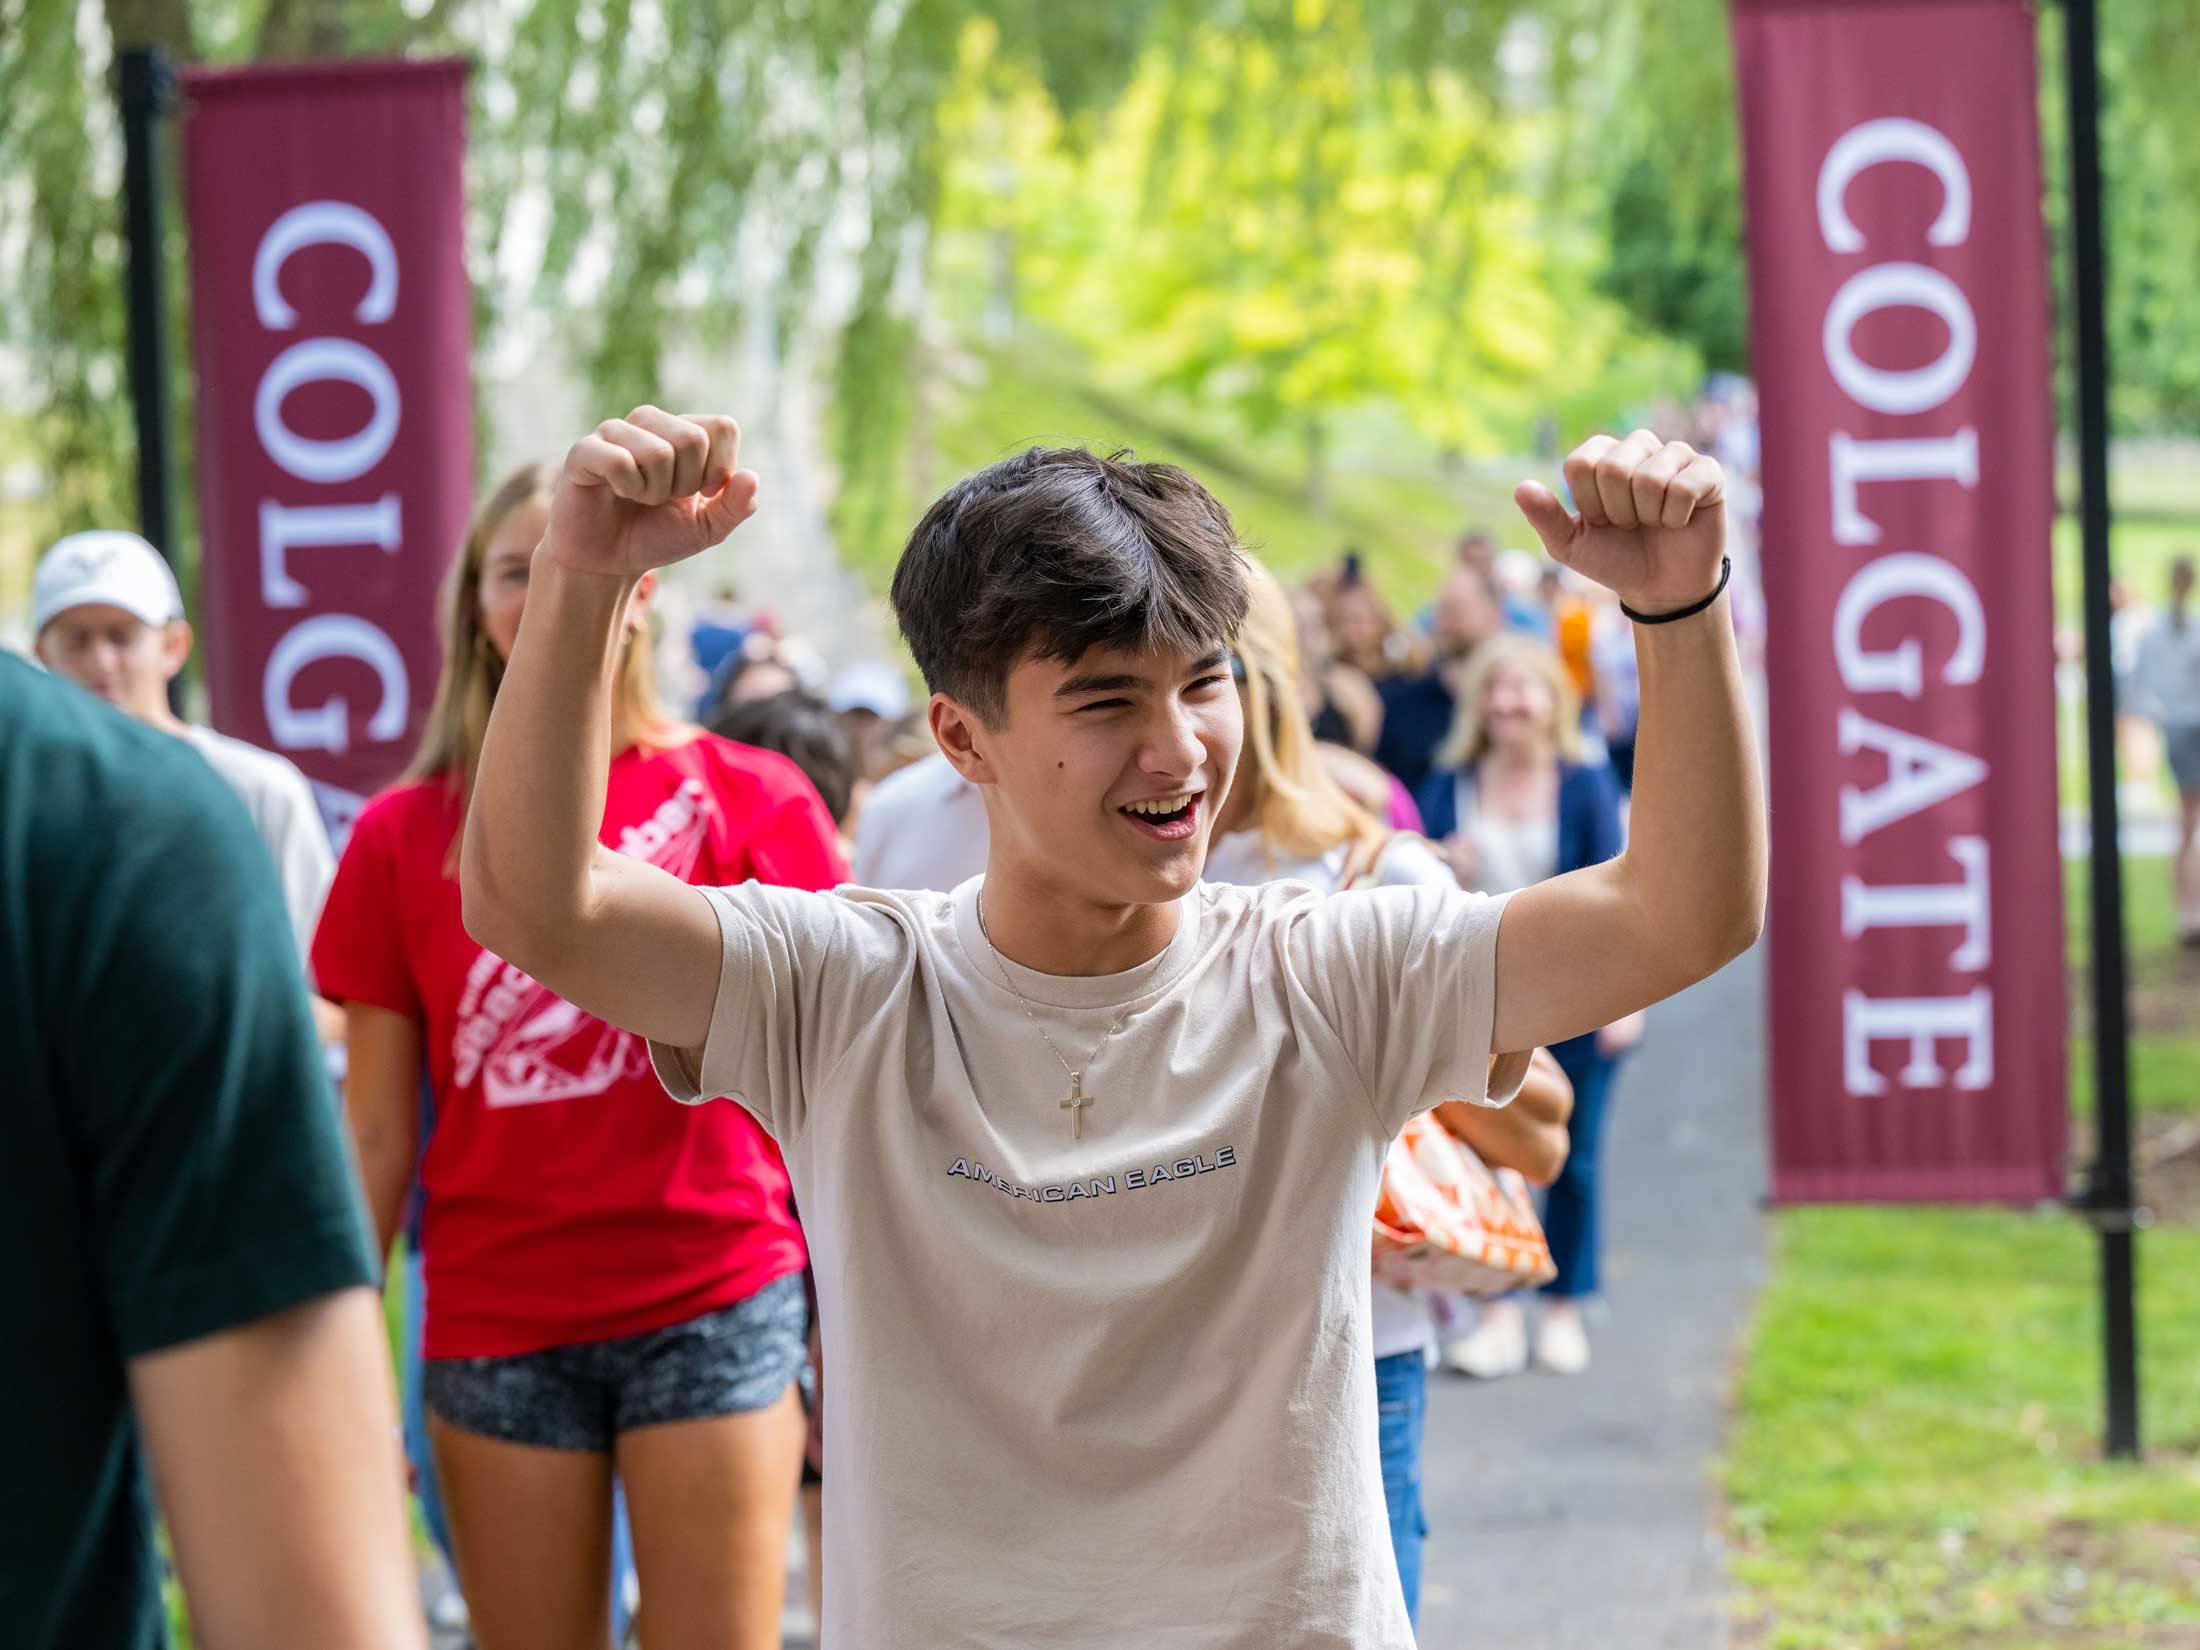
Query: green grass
[2140,548]
[1916,1462]
[1916,1459]
[2165,993]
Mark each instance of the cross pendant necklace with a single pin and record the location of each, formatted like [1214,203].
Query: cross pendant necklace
[1077,1099]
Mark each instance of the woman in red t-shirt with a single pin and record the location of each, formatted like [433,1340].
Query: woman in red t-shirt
[614,1281]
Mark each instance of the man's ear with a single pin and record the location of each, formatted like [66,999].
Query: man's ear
[175,648]
[963,739]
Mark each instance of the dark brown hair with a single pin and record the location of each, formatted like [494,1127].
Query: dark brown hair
[802,728]
[1057,550]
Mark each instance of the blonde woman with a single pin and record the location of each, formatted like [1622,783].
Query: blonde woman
[1513,804]
[1287,817]
[613,1281]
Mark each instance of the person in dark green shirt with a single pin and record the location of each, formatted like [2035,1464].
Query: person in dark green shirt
[186,1284]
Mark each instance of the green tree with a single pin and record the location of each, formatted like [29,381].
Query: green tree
[687,163]
[1287,218]
[1651,117]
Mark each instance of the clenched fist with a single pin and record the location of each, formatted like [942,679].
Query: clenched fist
[1652,526]
[648,490]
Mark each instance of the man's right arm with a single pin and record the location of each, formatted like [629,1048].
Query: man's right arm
[274,1453]
[613,935]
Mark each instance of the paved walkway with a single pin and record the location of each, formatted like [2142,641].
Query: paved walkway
[1577,1514]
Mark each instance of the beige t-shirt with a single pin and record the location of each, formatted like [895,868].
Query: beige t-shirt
[1114,1391]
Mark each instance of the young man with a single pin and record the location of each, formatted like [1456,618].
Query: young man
[186,1281]
[1087,1150]
[106,613]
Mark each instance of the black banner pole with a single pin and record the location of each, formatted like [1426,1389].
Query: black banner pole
[2108,1198]
[144,81]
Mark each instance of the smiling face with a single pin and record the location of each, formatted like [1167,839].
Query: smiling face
[1358,626]
[501,597]
[1071,613]
[1106,773]
[1518,710]
[502,593]
[112,652]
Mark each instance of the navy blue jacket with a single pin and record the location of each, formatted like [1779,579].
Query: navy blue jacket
[1588,834]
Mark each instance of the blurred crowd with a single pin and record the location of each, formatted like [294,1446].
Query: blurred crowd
[1387,662]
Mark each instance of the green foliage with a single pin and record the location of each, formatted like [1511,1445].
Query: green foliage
[1652,118]
[1666,165]
[1307,212]
[65,269]
[1287,211]
[1399,508]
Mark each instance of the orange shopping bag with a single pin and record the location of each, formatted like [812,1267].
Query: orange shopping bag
[1446,1220]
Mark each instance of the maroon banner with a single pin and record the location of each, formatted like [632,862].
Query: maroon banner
[331,326]
[1899,326]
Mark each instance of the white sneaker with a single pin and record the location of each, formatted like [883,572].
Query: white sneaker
[1497,1346]
[1562,1345]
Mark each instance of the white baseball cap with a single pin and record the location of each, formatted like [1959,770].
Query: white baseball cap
[872,685]
[106,566]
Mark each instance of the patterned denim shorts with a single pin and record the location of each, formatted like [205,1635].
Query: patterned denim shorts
[739,1358]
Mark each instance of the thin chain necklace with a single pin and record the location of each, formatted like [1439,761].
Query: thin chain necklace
[1077,1099]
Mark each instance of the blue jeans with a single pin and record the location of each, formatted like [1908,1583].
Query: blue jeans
[1401,1401]
[423,1457]
[1573,1208]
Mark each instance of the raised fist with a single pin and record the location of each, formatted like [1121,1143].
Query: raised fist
[648,490]
[1652,526]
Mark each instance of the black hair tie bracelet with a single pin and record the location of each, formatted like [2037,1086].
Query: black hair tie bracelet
[1726,571]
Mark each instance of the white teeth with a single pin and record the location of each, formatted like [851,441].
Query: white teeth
[1165,805]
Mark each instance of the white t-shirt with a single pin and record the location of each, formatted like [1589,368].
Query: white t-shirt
[924,826]
[1400,1319]
[1118,1390]
[284,813]
[1509,853]
[2166,676]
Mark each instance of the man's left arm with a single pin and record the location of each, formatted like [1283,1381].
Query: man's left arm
[1688,894]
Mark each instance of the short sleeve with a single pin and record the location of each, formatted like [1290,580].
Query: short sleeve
[359,944]
[1406,978]
[216,1175]
[303,860]
[797,973]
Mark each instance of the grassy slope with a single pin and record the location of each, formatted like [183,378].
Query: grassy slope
[1403,520]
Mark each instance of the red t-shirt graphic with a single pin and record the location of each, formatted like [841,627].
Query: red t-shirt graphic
[568,1198]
